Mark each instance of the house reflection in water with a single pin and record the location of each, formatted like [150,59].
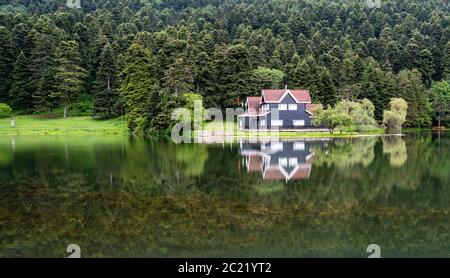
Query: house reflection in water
[290,160]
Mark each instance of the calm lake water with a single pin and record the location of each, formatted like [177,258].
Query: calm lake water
[127,197]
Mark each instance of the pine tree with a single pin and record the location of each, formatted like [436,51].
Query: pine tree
[372,87]
[136,81]
[446,61]
[326,91]
[6,63]
[42,67]
[20,93]
[179,77]
[69,74]
[411,89]
[426,66]
[105,87]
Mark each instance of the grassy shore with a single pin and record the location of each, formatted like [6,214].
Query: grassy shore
[216,129]
[37,125]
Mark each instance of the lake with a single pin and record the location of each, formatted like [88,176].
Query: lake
[126,197]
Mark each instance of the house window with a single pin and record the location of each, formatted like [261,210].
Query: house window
[282,106]
[293,161]
[293,107]
[299,146]
[276,146]
[299,122]
[277,122]
[283,161]
[240,123]
[266,107]
[262,122]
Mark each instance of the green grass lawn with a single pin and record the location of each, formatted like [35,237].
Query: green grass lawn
[36,125]
[217,127]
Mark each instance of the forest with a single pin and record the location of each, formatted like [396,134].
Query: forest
[142,59]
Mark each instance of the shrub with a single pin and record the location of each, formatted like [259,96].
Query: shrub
[5,110]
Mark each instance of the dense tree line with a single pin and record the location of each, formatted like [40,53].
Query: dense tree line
[139,57]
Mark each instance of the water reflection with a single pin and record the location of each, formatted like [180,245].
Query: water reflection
[129,197]
[275,160]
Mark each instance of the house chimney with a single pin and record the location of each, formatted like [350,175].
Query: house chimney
[285,87]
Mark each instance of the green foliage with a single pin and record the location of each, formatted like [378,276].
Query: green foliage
[6,63]
[225,51]
[333,118]
[441,101]
[69,73]
[106,104]
[5,110]
[21,93]
[413,92]
[267,78]
[136,80]
[395,117]
[361,113]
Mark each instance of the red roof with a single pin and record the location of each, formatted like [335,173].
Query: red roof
[300,96]
[273,174]
[302,172]
[254,164]
[310,107]
[253,102]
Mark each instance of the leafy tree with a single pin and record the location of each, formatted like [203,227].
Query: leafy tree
[441,101]
[361,113]
[395,117]
[5,110]
[333,118]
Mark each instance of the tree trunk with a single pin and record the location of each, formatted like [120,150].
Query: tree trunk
[65,110]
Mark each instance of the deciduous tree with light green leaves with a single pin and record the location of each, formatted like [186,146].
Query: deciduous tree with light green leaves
[395,117]
[361,112]
[5,110]
[333,118]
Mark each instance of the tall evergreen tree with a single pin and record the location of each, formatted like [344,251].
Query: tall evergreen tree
[411,89]
[69,74]
[372,87]
[6,63]
[21,94]
[446,61]
[43,70]
[136,81]
[106,97]
[326,91]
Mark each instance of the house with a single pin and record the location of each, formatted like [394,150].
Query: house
[281,160]
[282,109]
